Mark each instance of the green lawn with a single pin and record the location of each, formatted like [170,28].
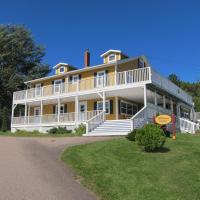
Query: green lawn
[118,170]
[31,134]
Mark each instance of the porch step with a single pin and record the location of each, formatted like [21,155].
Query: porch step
[112,127]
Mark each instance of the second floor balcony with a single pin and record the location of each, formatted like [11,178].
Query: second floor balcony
[141,76]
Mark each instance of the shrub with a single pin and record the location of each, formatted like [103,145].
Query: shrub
[131,135]
[80,130]
[59,130]
[151,137]
[24,132]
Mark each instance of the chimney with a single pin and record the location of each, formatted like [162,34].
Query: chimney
[87,58]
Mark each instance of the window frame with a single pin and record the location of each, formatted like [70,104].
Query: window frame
[73,76]
[107,103]
[61,106]
[62,67]
[127,103]
[115,57]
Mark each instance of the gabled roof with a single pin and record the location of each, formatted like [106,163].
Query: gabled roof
[60,64]
[110,51]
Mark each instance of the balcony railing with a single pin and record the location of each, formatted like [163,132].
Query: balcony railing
[167,85]
[55,118]
[121,78]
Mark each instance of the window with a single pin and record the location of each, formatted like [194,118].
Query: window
[75,78]
[57,86]
[141,63]
[128,108]
[37,111]
[62,69]
[38,89]
[62,109]
[112,57]
[100,106]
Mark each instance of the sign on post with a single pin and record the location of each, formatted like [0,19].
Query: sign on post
[163,119]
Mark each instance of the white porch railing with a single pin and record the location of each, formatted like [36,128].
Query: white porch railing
[166,84]
[95,121]
[54,118]
[187,126]
[121,78]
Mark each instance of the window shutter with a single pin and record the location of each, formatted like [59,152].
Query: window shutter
[95,105]
[106,72]
[42,84]
[70,79]
[111,106]
[63,80]
[52,87]
[79,77]
[119,106]
[54,109]
[65,111]
[95,79]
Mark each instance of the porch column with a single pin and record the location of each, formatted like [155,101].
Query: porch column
[178,110]
[155,98]
[25,113]
[29,107]
[145,96]
[58,110]
[13,110]
[76,109]
[171,105]
[117,107]
[164,102]
[41,111]
[104,103]
[115,74]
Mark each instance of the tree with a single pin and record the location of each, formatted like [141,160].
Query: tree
[4,126]
[20,61]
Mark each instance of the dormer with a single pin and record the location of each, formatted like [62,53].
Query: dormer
[61,68]
[112,56]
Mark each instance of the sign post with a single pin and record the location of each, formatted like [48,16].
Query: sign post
[173,127]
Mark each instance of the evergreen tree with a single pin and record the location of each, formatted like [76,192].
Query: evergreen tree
[4,126]
[20,60]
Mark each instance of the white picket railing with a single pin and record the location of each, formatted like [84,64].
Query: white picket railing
[187,126]
[95,121]
[134,76]
[54,118]
[168,85]
[121,78]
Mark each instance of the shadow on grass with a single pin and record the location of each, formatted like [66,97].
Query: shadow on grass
[162,150]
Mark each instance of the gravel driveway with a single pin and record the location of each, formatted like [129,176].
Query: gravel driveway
[30,169]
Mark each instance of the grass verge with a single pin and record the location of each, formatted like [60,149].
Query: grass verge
[117,169]
[29,134]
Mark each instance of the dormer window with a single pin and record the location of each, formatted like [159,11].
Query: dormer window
[62,69]
[112,57]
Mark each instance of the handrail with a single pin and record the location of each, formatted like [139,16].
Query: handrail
[95,121]
[121,78]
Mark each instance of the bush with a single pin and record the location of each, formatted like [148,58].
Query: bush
[131,135]
[59,130]
[80,130]
[151,137]
[24,132]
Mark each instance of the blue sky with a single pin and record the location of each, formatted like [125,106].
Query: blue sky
[167,32]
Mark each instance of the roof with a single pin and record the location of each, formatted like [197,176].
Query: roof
[110,51]
[86,69]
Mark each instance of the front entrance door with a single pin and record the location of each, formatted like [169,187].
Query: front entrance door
[83,111]
[37,113]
